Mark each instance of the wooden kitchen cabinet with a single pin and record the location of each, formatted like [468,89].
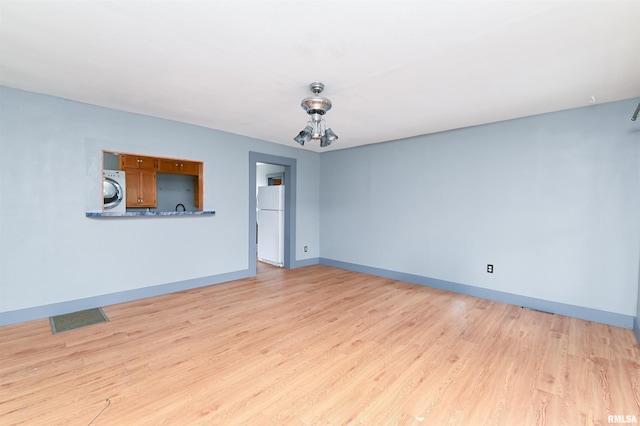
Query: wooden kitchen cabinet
[141,178]
[138,162]
[182,167]
[141,188]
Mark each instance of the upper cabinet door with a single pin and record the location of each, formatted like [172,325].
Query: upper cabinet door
[182,167]
[138,162]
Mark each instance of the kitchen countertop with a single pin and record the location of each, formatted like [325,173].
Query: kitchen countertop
[132,214]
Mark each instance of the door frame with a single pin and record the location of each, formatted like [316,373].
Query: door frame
[289,206]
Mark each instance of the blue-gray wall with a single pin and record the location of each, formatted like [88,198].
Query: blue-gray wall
[636,324]
[54,258]
[552,201]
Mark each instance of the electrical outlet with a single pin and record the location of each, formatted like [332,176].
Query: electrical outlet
[306,249]
[490,269]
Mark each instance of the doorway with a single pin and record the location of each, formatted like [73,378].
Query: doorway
[287,171]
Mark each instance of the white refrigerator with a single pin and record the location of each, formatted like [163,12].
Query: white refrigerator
[271,224]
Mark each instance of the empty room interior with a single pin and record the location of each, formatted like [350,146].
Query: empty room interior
[291,212]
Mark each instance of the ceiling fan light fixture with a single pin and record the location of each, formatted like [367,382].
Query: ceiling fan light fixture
[305,135]
[299,139]
[316,106]
[330,135]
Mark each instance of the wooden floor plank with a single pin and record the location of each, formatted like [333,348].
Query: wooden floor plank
[319,345]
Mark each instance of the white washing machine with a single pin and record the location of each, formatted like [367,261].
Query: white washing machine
[114,191]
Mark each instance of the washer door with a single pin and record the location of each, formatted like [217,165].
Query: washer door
[112,193]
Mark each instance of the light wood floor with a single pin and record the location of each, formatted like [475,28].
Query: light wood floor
[319,345]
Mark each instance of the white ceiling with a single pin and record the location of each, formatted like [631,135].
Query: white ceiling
[393,69]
